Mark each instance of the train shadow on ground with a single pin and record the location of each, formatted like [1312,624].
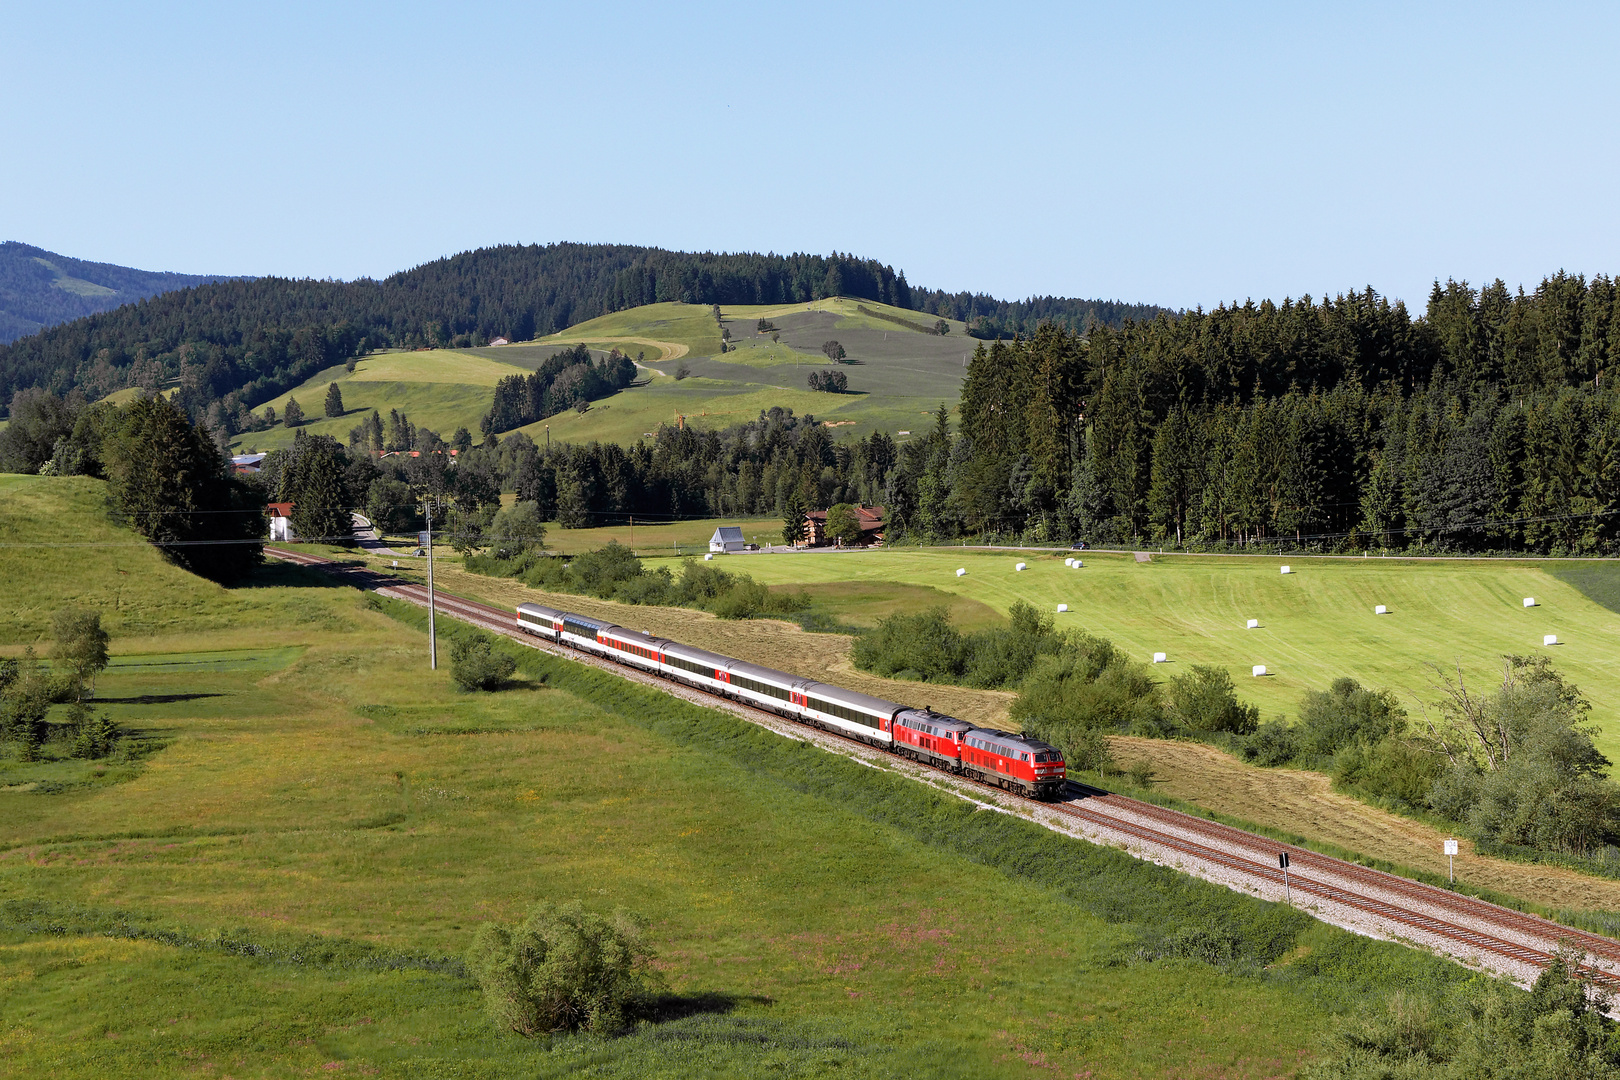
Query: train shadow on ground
[1076,790]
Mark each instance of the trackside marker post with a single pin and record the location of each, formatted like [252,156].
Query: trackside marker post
[1451,852]
[1282,861]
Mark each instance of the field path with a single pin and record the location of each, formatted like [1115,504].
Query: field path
[670,350]
[1305,804]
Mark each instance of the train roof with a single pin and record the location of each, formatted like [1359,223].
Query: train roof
[538,610]
[765,674]
[852,698]
[698,656]
[1009,740]
[646,636]
[585,620]
[939,720]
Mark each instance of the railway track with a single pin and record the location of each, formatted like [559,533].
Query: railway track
[1470,929]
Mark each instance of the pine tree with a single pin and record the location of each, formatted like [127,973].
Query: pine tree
[294,416]
[334,400]
[170,482]
[793,519]
[313,482]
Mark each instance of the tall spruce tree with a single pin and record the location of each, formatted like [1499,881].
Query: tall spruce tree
[168,480]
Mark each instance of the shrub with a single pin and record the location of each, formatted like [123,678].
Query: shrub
[1084,689]
[1204,701]
[925,643]
[93,736]
[1346,715]
[562,968]
[832,382]
[1273,743]
[599,573]
[476,665]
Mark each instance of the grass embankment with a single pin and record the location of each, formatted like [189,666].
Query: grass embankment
[329,820]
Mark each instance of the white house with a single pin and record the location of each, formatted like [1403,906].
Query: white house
[727,538]
[280,515]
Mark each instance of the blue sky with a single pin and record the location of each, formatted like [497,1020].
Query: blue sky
[1174,153]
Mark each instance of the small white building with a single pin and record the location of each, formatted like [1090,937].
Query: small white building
[727,538]
[280,515]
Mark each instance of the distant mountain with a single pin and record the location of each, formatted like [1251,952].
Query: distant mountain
[40,288]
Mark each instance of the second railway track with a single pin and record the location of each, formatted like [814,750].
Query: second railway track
[1357,897]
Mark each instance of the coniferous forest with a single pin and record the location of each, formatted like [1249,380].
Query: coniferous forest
[1490,423]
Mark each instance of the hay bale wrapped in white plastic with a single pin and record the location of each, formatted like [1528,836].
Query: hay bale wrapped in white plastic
[1159,658]
[1288,569]
[1259,670]
[1549,639]
[1063,607]
[961,570]
[1020,566]
[1380,610]
[1529,601]
[1254,624]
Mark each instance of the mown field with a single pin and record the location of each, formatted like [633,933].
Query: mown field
[444,389]
[441,389]
[281,883]
[1316,624]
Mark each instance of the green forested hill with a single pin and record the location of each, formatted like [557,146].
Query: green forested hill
[40,288]
[243,342]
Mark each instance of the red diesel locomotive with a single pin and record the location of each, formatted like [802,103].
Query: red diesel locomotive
[1015,762]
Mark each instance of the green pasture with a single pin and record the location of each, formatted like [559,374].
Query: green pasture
[282,884]
[441,389]
[1316,624]
[897,376]
[713,404]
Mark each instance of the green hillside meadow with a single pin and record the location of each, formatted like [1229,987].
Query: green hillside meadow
[1316,623]
[278,871]
[444,389]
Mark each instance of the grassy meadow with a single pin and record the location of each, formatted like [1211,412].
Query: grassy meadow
[441,389]
[282,881]
[1316,623]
